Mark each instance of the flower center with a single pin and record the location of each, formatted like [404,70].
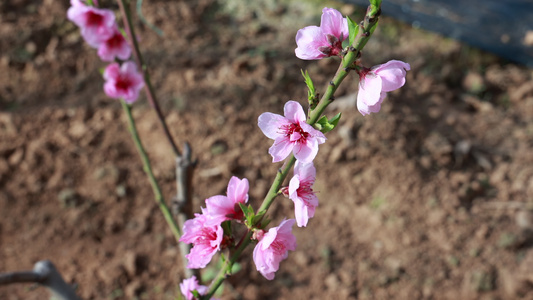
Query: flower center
[334,48]
[295,133]
[278,247]
[94,19]
[115,41]
[305,192]
[207,237]
[123,83]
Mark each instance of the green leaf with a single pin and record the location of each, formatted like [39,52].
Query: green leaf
[236,267]
[335,120]
[375,3]
[353,29]
[312,96]
[257,217]
[326,125]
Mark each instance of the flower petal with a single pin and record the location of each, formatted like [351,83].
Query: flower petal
[281,148]
[270,124]
[294,112]
[309,40]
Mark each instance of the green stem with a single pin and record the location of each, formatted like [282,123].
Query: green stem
[348,62]
[150,94]
[158,195]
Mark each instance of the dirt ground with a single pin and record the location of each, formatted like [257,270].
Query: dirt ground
[432,198]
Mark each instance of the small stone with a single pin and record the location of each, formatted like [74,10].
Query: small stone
[332,282]
[121,190]
[69,198]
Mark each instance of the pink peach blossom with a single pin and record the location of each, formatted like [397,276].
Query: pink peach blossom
[301,192]
[123,81]
[115,46]
[291,134]
[376,82]
[221,208]
[274,247]
[324,41]
[206,241]
[96,24]
[189,285]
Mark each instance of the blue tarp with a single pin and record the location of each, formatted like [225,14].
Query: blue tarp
[498,26]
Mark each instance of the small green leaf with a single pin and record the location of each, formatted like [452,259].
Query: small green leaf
[325,125]
[312,96]
[335,120]
[353,29]
[256,218]
[375,2]
[236,267]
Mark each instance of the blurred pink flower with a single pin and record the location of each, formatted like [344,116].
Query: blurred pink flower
[221,208]
[115,46]
[274,247]
[189,285]
[301,192]
[96,24]
[291,133]
[206,241]
[374,84]
[123,81]
[324,41]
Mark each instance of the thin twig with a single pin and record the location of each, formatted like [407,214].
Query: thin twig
[158,195]
[150,94]
[182,207]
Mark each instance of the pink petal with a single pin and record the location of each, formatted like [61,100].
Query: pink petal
[309,40]
[294,112]
[238,190]
[270,124]
[392,74]
[306,152]
[332,22]
[281,148]
[301,213]
[369,89]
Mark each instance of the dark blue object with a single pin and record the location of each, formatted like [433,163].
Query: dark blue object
[498,26]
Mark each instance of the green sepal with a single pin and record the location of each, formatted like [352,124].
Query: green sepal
[353,29]
[258,217]
[264,223]
[226,226]
[312,96]
[325,125]
[195,294]
[249,214]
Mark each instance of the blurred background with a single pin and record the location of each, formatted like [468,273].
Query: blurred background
[429,199]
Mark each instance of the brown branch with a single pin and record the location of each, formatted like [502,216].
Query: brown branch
[182,207]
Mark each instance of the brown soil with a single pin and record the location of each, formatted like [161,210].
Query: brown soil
[429,199]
